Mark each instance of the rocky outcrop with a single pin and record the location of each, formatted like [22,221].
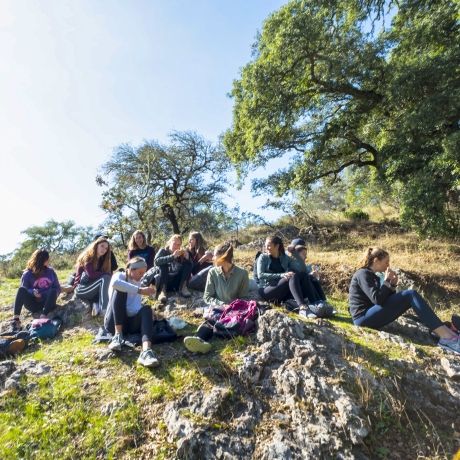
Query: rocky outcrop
[296,395]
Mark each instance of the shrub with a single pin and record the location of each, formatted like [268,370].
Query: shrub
[356,214]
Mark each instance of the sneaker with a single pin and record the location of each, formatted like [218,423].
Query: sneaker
[162,298]
[15,326]
[321,309]
[196,345]
[148,359]
[303,312]
[95,310]
[184,292]
[452,345]
[116,343]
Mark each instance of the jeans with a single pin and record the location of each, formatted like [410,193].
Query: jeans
[198,281]
[378,316]
[116,315]
[45,304]
[176,280]
[97,290]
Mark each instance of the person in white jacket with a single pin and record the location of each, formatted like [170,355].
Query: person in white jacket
[125,312]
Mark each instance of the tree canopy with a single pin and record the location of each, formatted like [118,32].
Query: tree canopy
[335,90]
[164,188]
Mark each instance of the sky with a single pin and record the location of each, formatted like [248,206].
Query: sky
[80,77]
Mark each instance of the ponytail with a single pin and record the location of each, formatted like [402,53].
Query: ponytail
[371,254]
[224,252]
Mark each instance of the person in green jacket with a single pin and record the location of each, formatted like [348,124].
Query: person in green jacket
[226,282]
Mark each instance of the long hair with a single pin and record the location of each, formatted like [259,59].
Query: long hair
[132,241]
[371,254]
[36,263]
[89,255]
[174,237]
[275,239]
[200,244]
[224,252]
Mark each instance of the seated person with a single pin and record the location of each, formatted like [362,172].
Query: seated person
[201,260]
[373,304]
[138,246]
[175,267]
[279,282]
[93,272]
[298,251]
[226,282]
[126,314]
[39,288]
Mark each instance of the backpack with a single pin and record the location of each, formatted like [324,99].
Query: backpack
[255,277]
[238,318]
[45,328]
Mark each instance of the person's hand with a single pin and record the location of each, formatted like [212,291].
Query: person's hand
[315,271]
[186,254]
[391,276]
[206,258]
[289,275]
[37,294]
[178,253]
[148,290]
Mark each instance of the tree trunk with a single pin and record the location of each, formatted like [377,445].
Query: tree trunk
[169,214]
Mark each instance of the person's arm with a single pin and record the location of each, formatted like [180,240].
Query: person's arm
[113,262]
[119,283]
[27,281]
[55,282]
[210,295]
[163,257]
[151,255]
[93,274]
[262,267]
[130,254]
[370,285]
[244,286]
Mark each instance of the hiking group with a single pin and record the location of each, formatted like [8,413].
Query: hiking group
[280,276]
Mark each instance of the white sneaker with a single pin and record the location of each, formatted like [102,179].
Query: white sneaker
[148,359]
[96,309]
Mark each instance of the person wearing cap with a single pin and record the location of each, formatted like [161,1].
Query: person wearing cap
[298,252]
[126,314]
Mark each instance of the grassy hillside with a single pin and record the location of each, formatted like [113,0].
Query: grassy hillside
[93,405]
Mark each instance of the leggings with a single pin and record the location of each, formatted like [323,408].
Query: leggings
[378,316]
[198,281]
[97,290]
[116,314]
[45,304]
[299,286]
[174,281]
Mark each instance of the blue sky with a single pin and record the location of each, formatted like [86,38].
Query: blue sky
[78,78]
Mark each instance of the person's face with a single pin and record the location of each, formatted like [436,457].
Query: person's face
[175,244]
[102,249]
[139,239]
[271,249]
[46,263]
[302,254]
[137,273]
[192,242]
[381,265]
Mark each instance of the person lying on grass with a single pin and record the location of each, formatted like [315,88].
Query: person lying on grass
[226,282]
[39,288]
[373,304]
[125,312]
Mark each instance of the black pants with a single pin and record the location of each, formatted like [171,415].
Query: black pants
[45,304]
[95,291]
[116,314]
[198,281]
[176,280]
[298,287]
[317,289]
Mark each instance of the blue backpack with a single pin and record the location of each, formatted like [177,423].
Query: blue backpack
[45,328]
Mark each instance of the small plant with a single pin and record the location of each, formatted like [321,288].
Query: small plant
[356,214]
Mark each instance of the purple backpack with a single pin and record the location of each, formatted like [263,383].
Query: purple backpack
[238,318]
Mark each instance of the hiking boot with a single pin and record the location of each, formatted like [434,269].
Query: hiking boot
[451,345]
[116,343]
[162,298]
[196,345]
[16,346]
[148,359]
[184,292]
